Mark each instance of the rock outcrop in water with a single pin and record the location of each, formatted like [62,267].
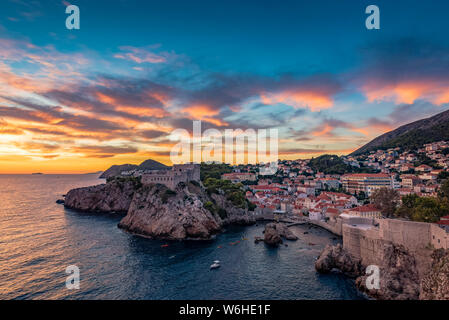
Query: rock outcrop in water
[275,232]
[335,257]
[157,212]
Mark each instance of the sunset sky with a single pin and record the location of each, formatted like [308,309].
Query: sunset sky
[74,101]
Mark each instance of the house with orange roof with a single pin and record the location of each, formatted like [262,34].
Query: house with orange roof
[366,211]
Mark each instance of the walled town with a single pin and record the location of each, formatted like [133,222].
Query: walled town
[342,194]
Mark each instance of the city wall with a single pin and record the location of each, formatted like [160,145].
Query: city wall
[333,226]
[366,243]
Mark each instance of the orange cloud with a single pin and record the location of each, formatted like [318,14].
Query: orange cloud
[204,113]
[314,100]
[408,91]
[135,110]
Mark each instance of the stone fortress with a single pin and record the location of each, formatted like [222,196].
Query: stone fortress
[172,177]
[364,238]
[364,241]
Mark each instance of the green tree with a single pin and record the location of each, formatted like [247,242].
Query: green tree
[407,207]
[386,200]
[444,190]
[429,210]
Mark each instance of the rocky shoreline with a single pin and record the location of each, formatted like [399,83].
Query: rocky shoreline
[399,276]
[154,211]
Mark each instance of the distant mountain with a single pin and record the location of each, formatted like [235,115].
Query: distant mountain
[412,135]
[149,164]
[116,170]
[152,165]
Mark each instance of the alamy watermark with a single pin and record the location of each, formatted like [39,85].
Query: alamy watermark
[232,146]
[73,21]
[72,282]
[373,20]
[373,279]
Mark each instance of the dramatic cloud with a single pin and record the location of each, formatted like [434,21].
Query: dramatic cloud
[406,71]
[56,105]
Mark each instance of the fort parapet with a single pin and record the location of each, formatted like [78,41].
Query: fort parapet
[171,178]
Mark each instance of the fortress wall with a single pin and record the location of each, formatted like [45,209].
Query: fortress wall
[171,178]
[363,244]
[412,235]
[165,179]
[367,244]
[439,237]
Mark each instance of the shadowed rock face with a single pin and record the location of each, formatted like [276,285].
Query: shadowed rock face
[399,278]
[157,212]
[182,216]
[335,257]
[113,197]
[435,285]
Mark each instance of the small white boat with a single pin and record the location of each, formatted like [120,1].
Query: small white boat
[215,265]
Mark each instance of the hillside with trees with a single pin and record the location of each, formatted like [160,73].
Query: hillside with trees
[411,136]
[333,164]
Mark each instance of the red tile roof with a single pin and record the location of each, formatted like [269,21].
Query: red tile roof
[366,208]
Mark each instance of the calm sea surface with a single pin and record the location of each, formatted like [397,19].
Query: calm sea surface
[39,239]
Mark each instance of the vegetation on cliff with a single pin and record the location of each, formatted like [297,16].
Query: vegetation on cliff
[211,178]
[214,170]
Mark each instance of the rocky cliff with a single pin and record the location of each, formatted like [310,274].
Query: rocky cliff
[112,197]
[435,285]
[399,276]
[335,257]
[157,212]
